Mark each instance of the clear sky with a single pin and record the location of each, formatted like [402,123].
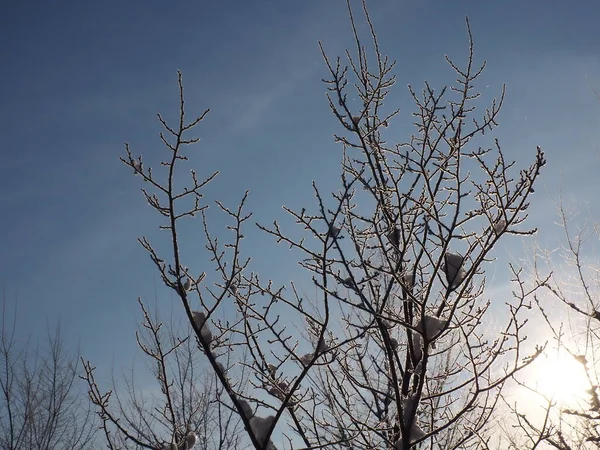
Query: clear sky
[80,78]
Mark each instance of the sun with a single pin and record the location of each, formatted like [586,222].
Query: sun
[562,378]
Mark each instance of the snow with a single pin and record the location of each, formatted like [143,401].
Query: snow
[246,408]
[388,324]
[418,370]
[261,426]
[306,359]
[499,226]
[431,325]
[190,440]
[200,322]
[417,346]
[408,279]
[137,166]
[280,390]
[322,346]
[347,282]
[394,237]
[416,433]
[334,232]
[455,273]
[409,407]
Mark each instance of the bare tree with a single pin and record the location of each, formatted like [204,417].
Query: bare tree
[570,309]
[40,406]
[393,349]
[180,412]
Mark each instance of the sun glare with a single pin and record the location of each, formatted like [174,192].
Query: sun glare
[562,378]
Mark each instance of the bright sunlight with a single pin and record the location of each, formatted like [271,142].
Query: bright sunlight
[561,377]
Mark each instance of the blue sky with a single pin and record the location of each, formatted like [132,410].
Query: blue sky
[79,79]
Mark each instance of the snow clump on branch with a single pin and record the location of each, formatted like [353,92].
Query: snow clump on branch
[499,226]
[453,267]
[200,322]
[334,232]
[260,427]
[408,281]
[137,166]
[322,347]
[246,408]
[417,346]
[190,440]
[410,404]
[431,326]
[416,433]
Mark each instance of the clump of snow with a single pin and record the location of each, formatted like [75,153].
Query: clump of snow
[347,282]
[280,390]
[394,237]
[137,166]
[200,322]
[418,370]
[306,358]
[334,232]
[190,440]
[322,346]
[416,433]
[499,226]
[199,318]
[417,346]
[261,426]
[410,404]
[453,267]
[431,326]
[408,280]
[246,408]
